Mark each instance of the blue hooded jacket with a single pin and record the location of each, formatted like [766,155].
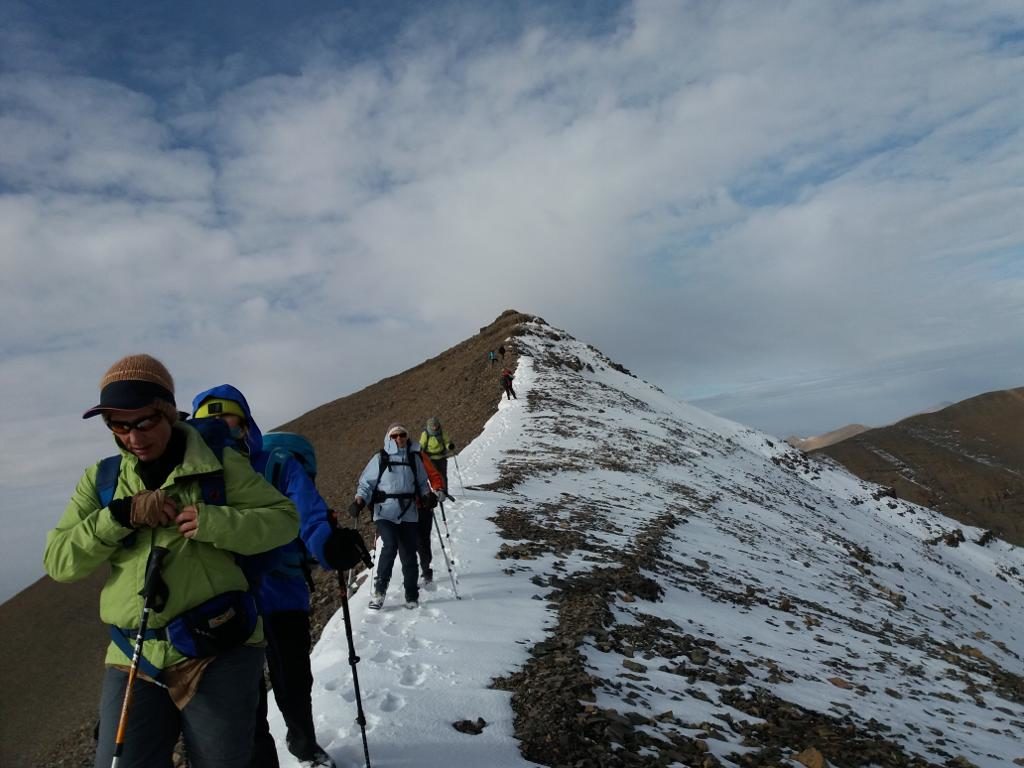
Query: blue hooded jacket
[278,576]
[399,477]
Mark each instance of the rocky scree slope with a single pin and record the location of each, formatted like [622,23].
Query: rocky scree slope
[720,599]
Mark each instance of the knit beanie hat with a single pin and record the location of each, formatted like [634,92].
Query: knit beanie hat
[135,381]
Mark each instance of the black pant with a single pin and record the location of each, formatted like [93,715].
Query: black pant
[441,465]
[288,646]
[425,528]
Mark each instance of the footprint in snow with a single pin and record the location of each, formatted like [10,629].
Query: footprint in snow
[331,684]
[390,628]
[414,675]
[391,702]
[383,656]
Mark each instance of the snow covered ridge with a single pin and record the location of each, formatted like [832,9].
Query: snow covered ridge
[649,585]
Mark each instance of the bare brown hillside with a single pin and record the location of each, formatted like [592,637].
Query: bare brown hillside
[458,386]
[54,642]
[966,461]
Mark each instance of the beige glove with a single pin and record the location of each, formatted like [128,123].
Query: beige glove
[148,509]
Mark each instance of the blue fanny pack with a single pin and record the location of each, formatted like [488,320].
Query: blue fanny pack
[210,628]
[219,624]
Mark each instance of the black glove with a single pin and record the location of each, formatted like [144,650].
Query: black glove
[355,508]
[430,500]
[345,549]
[121,510]
[451,446]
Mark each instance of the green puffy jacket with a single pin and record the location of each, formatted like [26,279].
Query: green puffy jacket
[195,569]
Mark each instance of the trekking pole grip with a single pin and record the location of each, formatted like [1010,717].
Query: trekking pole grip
[156,559]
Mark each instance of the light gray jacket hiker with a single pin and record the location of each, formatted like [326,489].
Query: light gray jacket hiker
[398,482]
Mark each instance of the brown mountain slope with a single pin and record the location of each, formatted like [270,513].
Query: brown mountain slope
[51,666]
[458,386]
[54,642]
[966,461]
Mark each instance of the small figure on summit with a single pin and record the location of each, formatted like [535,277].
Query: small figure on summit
[506,383]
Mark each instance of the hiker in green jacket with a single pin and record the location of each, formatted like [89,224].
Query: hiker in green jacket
[202,655]
[434,442]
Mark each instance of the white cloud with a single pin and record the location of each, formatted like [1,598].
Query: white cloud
[713,194]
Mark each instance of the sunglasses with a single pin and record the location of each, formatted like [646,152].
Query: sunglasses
[395,435]
[144,424]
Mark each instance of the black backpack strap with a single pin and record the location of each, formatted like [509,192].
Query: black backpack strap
[384,463]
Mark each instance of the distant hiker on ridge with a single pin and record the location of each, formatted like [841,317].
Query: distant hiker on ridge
[493,358]
[281,581]
[506,383]
[168,513]
[501,351]
[392,482]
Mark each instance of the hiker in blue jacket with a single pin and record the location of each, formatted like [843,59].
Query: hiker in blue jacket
[394,484]
[281,582]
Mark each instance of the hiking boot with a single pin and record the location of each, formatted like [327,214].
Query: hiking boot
[376,601]
[412,603]
[309,753]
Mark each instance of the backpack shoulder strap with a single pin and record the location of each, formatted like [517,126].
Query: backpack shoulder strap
[273,471]
[415,477]
[106,478]
[383,462]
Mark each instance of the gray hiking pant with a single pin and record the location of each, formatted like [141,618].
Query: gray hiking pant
[217,723]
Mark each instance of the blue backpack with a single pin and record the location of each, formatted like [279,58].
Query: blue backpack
[283,446]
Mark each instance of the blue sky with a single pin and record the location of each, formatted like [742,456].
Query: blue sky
[798,214]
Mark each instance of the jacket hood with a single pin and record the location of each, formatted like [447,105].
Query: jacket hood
[390,445]
[254,437]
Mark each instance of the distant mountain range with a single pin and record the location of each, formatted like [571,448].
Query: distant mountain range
[965,460]
[808,444]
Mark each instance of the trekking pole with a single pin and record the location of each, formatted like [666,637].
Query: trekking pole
[353,660]
[459,473]
[451,574]
[155,597]
[447,533]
